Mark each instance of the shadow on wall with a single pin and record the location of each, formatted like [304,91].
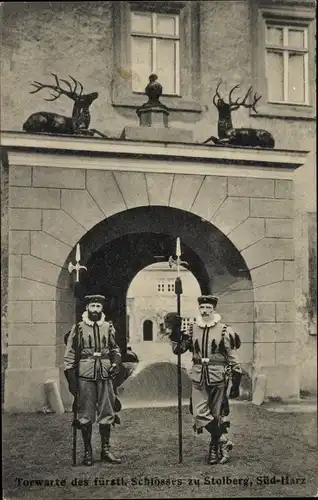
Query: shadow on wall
[156,382]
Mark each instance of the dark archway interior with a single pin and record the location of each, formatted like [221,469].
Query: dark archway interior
[119,247]
[148,330]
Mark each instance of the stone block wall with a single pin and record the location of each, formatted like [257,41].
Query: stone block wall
[50,209]
[266,243]
[39,284]
[52,32]
[4,254]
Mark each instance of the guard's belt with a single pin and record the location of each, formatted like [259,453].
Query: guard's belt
[208,361]
[94,355]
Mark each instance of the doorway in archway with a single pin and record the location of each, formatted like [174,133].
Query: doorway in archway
[147,330]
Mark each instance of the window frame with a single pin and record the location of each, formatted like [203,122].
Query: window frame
[264,14]
[187,321]
[285,50]
[170,286]
[154,37]
[190,79]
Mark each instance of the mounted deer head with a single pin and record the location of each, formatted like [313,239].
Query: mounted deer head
[54,123]
[240,137]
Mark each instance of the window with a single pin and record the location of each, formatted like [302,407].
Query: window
[155,49]
[287,64]
[283,59]
[165,286]
[163,36]
[170,286]
[186,322]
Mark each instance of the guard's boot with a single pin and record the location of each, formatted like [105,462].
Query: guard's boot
[87,438]
[213,453]
[214,430]
[225,446]
[106,455]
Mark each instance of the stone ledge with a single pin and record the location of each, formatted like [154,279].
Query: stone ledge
[20,143]
[157,134]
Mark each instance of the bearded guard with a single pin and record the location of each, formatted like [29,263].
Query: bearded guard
[213,345]
[98,362]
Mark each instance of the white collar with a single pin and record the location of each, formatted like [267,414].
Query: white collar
[215,319]
[89,322]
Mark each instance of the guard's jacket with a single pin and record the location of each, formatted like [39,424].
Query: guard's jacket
[97,346]
[213,348]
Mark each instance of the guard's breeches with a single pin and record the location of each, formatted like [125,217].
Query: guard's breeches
[207,403]
[96,401]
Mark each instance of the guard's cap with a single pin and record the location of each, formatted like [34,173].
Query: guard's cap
[208,299]
[96,299]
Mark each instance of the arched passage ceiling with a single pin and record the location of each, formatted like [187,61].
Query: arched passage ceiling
[122,245]
[115,250]
[116,264]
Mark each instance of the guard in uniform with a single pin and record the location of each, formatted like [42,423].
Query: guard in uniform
[215,359]
[91,362]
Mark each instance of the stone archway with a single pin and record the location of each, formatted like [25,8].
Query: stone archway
[254,214]
[117,248]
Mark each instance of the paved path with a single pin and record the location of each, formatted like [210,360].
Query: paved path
[302,406]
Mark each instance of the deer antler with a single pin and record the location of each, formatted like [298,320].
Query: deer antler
[248,93]
[75,83]
[216,94]
[233,105]
[79,83]
[256,98]
[71,93]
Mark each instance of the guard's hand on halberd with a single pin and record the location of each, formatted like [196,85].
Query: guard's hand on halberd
[113,370]
[172,325]
[72,382]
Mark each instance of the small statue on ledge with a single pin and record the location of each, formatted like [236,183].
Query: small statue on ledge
[153,90]
[153,112]
[53,123]
[245,137]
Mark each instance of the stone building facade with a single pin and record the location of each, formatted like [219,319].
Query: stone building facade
[244,215]
[150,296]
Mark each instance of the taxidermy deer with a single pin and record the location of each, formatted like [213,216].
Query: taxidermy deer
[238,136]
[54,123]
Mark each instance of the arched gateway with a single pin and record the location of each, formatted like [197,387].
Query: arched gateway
[232,209]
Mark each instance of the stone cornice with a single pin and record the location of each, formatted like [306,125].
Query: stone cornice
[118,154]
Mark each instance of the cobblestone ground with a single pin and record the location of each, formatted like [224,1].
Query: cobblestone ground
[274,456]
